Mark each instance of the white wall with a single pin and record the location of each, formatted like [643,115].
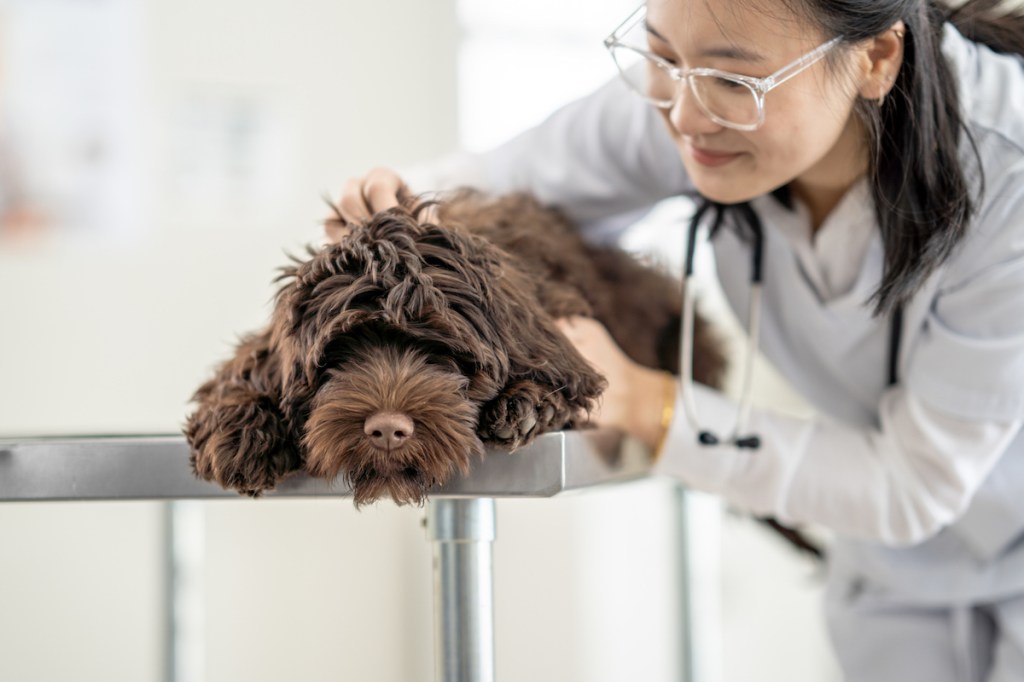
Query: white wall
[81,596]
[109,333]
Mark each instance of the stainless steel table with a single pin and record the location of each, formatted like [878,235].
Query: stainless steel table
[156,468]
[460,515]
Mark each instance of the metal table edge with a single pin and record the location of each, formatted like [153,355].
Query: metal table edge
[156,467]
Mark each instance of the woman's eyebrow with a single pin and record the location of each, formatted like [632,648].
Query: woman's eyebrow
[729,52]
[654,32]
[733,52]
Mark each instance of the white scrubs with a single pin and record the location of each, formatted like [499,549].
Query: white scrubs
[923,481]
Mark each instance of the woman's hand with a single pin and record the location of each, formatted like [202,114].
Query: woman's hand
[361,197]
[635,397]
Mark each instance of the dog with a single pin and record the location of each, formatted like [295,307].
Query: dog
[395,357]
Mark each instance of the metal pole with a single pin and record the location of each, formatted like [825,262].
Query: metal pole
[700,582]
[462,531]
[687,650]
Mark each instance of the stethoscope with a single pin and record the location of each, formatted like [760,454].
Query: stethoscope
[739,437]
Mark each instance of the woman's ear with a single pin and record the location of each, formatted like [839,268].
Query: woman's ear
[882,59]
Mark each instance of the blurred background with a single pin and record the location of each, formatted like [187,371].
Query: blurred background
[158,159]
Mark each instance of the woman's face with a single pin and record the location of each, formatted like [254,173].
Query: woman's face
[810,137]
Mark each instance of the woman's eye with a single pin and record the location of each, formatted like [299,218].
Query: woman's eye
[728,83]
[653,51]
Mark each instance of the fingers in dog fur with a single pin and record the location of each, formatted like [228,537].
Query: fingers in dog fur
[352,204]
[382,189]
[378,190]
[430,215]
[335,231]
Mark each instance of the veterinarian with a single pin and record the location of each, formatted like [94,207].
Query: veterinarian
[862,162]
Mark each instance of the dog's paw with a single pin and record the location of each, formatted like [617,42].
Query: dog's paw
[241,449]
[522,412]
[233,472]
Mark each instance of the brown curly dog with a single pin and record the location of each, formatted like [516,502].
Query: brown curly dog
[395,356]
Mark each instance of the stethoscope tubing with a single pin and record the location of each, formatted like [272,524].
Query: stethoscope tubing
[705,436]
[751,441]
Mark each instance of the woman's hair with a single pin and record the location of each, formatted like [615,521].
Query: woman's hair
[921,188]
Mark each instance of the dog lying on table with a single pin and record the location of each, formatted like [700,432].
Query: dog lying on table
[393,358]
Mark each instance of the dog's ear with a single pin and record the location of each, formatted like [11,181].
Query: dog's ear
[336,290]
[492,312]
[238,435]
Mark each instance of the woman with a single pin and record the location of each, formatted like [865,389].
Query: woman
[867,158]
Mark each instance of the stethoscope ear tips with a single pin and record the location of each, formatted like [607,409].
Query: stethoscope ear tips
[707,438]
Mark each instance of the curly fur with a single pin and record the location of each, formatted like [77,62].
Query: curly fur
[449,326]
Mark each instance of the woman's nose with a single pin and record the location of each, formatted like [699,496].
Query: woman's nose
[686,116]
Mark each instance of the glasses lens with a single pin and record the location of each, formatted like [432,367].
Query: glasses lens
[728,100]
[644,76]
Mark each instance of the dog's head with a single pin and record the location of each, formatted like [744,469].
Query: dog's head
[393,416]
[391,341]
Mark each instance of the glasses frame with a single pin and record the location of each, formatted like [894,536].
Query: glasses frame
[758,87]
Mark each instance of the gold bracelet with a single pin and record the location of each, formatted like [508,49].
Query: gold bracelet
[668,408]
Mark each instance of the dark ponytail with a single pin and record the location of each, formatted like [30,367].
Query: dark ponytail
[924,194]
[991,23]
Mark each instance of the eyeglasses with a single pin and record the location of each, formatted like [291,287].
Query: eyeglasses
[729,99]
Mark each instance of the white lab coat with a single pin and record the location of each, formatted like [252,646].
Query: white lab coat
[923,481]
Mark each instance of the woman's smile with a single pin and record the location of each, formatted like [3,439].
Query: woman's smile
[711,157]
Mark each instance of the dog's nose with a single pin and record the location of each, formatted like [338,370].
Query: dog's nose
[388,430]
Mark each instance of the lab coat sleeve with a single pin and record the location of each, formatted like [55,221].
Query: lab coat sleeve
[898,484]
[603,159]
[970,357]
[939,434]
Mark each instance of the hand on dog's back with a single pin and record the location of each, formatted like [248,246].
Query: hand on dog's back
[361,197]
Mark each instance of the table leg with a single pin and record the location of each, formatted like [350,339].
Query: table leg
[462,531]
